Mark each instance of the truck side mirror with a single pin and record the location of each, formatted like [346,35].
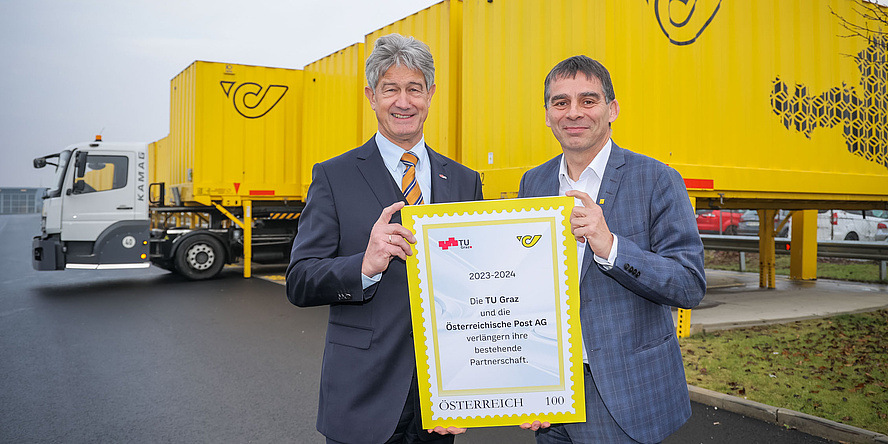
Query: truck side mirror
[80,165]
[40,162]
[157,193]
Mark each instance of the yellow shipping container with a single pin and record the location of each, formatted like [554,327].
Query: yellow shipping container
[235,133]
[440,27]
[333,104]
[159,167]
[751,101]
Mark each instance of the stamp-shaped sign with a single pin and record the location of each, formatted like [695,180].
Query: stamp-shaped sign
[494,297]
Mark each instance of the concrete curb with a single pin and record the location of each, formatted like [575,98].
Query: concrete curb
[710,327]
[802,422]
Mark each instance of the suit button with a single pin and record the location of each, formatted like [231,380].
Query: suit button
[631,270]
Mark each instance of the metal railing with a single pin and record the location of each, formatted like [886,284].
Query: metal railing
[874,251]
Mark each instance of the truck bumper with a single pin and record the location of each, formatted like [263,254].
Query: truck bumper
[46,254]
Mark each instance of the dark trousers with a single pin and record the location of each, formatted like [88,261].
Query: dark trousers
[599,428]
[409,429]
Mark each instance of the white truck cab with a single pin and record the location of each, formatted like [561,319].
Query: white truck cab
[95,216]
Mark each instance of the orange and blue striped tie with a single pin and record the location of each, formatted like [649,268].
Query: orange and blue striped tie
[408,182]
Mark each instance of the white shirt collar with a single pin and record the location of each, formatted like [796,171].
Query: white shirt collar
[597,166]
[391,153]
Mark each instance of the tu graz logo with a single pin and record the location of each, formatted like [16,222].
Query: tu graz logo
[251,100]
[529,240]
[453,242]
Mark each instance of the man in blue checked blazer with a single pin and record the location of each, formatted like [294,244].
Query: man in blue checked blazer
[350,249]
[640,255]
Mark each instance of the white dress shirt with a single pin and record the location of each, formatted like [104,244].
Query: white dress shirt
[589,182]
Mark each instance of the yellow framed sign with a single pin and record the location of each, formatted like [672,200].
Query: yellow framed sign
[494,299]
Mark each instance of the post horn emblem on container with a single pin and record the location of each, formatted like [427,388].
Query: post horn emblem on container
[683,21]
[251,100]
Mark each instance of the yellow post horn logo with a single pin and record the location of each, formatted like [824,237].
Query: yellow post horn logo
[528,240]
[251,100]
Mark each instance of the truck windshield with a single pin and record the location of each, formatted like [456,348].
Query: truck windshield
[56,189]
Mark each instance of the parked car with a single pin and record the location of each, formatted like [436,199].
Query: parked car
[749,223]
[851,225]
[718,221]
[881,232]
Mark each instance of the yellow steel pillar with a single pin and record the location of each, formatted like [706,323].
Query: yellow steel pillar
[683,322]
[803,255]
[248,237]
[767,253]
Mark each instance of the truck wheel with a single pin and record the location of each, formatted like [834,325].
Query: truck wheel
[731,230]
[200,257]
[852,236]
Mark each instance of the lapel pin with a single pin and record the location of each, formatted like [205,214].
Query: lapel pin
[442,176]
[601,202]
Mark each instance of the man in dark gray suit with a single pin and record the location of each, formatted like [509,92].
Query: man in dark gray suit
[350,249]
[640,254]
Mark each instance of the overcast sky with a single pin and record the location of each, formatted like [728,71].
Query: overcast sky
[72,69]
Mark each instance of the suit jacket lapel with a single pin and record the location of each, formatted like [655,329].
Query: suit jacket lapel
[606,196]
[441,190]
[379,180]
[613,174]
[550,185]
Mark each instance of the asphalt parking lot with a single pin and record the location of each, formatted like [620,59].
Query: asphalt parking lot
[147,356]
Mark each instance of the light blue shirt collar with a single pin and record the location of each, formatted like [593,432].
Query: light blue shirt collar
[391,155]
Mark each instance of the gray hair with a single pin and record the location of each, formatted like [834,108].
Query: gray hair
[569,68]
[397,50]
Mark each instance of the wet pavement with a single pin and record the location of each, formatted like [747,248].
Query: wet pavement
[147,356]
